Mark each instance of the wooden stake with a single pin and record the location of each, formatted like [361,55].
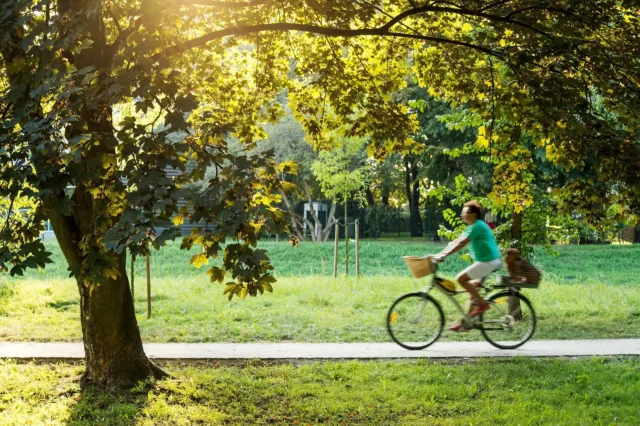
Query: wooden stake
[335,252]
[133,277]
[148,286]
[346,237]
[357,249]
[346,249]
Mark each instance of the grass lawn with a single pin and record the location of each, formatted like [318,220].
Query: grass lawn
[312,309]
[611,264]
[589,292]
[518,392]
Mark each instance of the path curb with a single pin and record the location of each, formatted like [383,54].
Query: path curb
[300,352]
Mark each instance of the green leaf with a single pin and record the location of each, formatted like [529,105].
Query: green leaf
[187,103]
[216,274]
[199,259]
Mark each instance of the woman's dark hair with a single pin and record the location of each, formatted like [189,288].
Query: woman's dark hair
[475,208]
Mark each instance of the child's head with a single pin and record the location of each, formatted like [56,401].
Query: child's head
[513,254]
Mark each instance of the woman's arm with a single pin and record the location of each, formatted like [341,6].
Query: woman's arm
[453,247]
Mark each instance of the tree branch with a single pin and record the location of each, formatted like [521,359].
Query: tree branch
[223,4]
[332,32]
[123,35]
[494,4]
[313,213]
[8,218]
[331,220]
[459,11]
[115,21]
[296,218]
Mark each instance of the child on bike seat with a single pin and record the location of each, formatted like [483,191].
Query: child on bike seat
[519,269]
[485,253]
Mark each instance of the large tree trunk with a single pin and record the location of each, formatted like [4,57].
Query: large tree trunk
[636,234]
[412,187]
[114,356]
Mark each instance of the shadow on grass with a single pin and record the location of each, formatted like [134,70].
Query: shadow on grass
[154,298]
[5,291]
[63,305]
[95,406]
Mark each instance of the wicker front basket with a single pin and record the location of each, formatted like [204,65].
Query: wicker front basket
[419,266]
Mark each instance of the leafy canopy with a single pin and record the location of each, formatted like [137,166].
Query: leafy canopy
[184,75]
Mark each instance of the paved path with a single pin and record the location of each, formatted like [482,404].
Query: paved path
[328,351]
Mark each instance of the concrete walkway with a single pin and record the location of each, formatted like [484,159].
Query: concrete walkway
[331,351]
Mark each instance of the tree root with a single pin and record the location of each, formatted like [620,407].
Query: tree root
[159,373]
[118,384]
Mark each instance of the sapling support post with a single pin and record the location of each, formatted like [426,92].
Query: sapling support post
[148,264]
[335,251]
[346,239]
[357,248]
[133,273]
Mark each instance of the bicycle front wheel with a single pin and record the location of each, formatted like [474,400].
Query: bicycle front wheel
[415,321]
[510,322]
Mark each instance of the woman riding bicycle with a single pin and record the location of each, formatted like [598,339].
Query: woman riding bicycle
[484,251]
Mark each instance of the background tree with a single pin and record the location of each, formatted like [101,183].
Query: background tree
[441,158]
[287,141]
[344,172]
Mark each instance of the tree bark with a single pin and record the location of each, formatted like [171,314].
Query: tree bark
[412,188]
[114,356]
[516,229]
[636,234]
[370,201]
[385,195]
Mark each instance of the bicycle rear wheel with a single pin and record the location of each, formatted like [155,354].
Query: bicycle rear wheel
[415,321]
[510,322]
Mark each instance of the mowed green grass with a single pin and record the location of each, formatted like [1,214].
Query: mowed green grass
[611,264]
[588,292]
[485,392]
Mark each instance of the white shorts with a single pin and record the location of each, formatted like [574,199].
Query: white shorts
[480,270]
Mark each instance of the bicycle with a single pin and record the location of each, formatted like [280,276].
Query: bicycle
[416,320]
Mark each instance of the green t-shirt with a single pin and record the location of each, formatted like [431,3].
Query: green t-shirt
[483,244]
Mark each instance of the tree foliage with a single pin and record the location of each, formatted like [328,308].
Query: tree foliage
[67,64]
[344,172]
